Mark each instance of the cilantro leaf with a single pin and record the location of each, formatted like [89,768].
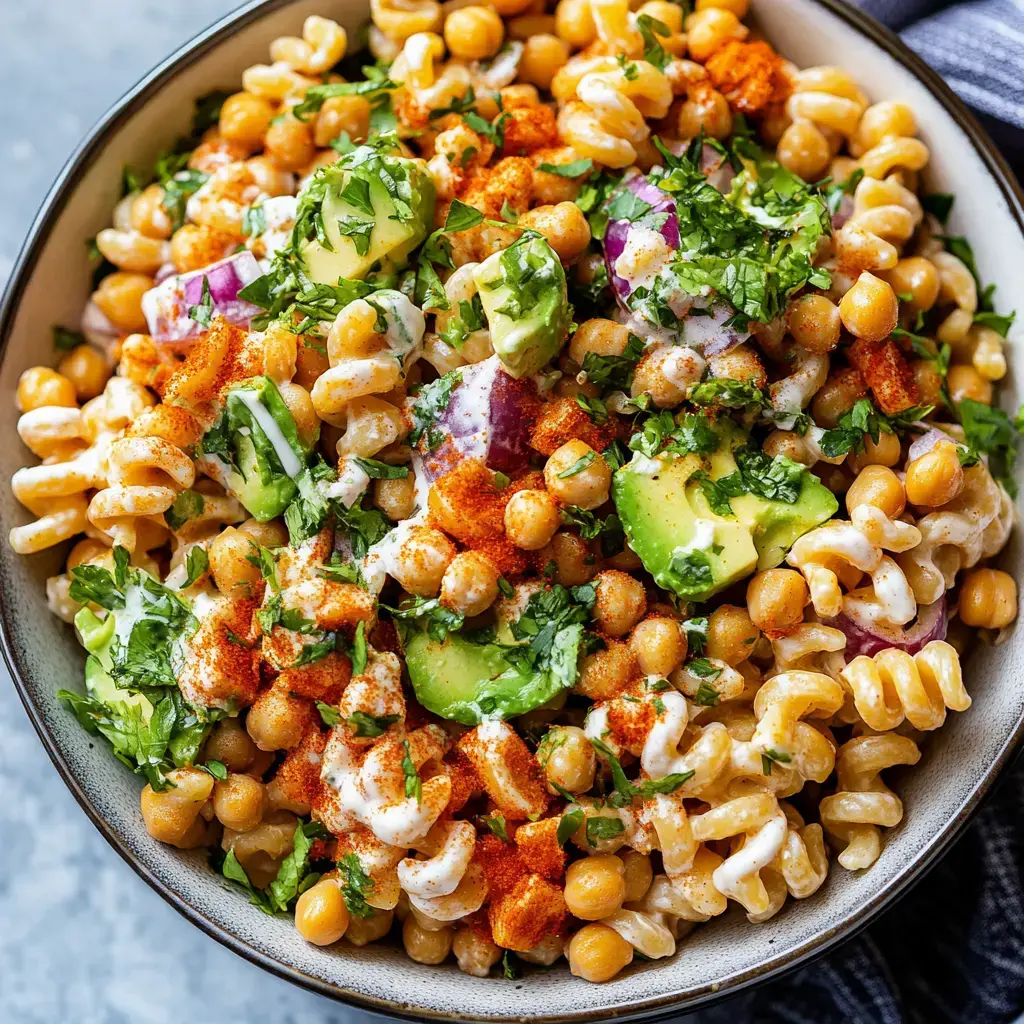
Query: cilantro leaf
[367,725]
[357,885]
[197,561]
[432,400]
[187,505]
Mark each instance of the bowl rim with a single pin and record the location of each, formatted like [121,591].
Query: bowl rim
[659,1008]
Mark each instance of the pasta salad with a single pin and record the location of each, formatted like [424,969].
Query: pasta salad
[525,486]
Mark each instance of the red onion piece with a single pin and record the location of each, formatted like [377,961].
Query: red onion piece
[923,444]
[618,230]
[930,625]
[487,418]
[166,306]
[709,334]
[843,213]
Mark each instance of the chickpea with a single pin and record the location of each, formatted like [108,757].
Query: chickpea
[639,874]
[86,369]
[171,813]
[473,33]
[245,118]
[470,584]
[804,150]
[928,380]
[776,599]
[148,215]
[277,720]
[621,602]
[564,226]
[965,382]
[870,309]
[230,744]
[395,498]
[574,22]
[732,635]
[605,673]
[886,452]
[271,534]
[194,246]
[238,802]
[838,394]
[321,916]
[597,953]
[602,337]
[426,946]
[988,599]
[119,297]
[595,886]
[510,8]
[567,757]
[576,475]
[573,562]
[709,113]
[531,519]
[232,571]
[339,114]
[880,487]
[659,645]
[543,55]
[289,143]
[421,561]
[709,30]
[363,930]
[476,956]
[40,386]
[917,277]
[936,477]
[814,323]
[738,7]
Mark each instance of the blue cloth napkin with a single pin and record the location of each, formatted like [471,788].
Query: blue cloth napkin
[952,950]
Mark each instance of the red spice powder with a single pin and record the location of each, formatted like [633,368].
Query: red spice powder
[298,775]
[502,865]
[534,909]
[630,723]
[538,845]
[323,679]
[529,128]
[563,420]
[749,75]
[465,781]
[886,372]
[509,181]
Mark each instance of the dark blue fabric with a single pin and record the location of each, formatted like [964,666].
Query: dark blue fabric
[952,950]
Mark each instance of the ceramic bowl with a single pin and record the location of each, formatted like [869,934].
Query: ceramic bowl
[50,284]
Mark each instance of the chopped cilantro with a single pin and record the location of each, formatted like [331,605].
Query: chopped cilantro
[187,505]
[413,784]
[496,824]
[64,339]
[578,466]
[367,725]
[601,828]
[357,885]
[197,561]
[429,404]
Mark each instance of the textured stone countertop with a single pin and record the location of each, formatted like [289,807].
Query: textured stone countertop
[82,939]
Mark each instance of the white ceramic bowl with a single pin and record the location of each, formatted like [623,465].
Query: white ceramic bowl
[49,285]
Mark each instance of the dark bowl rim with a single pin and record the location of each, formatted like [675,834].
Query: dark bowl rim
[659,1008]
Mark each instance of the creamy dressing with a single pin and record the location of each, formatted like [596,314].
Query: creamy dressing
[683,367]
[758,852]
[702,540]
[279,219]
[379,560]
[644,256]
[290,462]
[640,463]
[405,324]
[351,483]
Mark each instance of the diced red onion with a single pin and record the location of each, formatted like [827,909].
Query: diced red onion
[843,213]
[923,444]
[486,419]
[166,306]
[709,333]
[618,230]
[166,271]
[930,625]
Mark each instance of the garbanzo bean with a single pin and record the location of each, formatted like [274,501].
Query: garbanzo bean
[732,635]
[475,955]
[638,874]
[564,226]
[230,744]
[531,519]
[577,475]
[870,309]
[543,55]
[40,386]
[658,644]
[321,916]
[473,33]
[568,759]
[245,118]
[965,382]
[880,487]
[917,278]
[936,477]
[776,599]
[238,802]
[426,947]
[595,886]
[621,602]
[119,297]
[814,323]
[570,560]
[232,571]
[86,369]
[470,584]
[170,814]
[597,953]
[988,599]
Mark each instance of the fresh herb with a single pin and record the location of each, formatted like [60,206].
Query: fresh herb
[730,393]
[578,466]
[996,321]
[703,669]
[328,715]
[197,561]
[575,169]
[254,221]
[654,52]
[691,572]
[462,217]
[509,967]
[359,654]
[356,228]
[437,620]
[215,768]
[624,790]
[835,191]
[696,631]
[496,824]
[989,430]
[594,408]
[939,204]
[370,726]
[187,505]
[505,588]
[203,313]
[614,371]
[600,829]
[592,527]
[381,470]
[356,886]
[413,784]
[569,824]
[706,696]
[64,339]
[427,409]
[864,420]
[316,95]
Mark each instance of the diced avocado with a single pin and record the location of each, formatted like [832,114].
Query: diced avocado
[689,549]
[258,447]
[369,208]
[523,292]
[469,682]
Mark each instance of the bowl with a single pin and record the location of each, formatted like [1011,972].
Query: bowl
[50,284]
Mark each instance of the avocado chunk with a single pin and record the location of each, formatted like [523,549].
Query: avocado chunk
[367,211]
[97,635]
[694,550]
[469,682]
[523,293]
[255,448]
